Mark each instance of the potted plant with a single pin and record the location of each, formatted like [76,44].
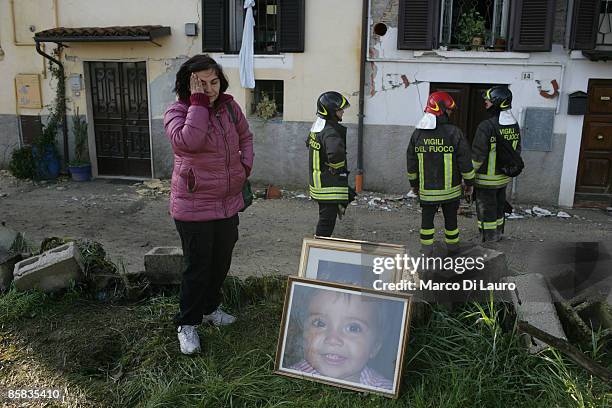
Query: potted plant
[471,29]
[44,151]
[266,107]
[500,44]
[80,167]
[44,148]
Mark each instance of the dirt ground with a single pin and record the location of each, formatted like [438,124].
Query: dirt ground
[129,219]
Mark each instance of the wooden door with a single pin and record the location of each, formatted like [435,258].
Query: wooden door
[121,118]
[470,105]
[594,180]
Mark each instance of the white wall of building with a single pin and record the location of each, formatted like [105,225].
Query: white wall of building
[391,102]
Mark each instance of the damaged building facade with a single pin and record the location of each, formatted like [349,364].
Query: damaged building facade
[552,55]
[120,63]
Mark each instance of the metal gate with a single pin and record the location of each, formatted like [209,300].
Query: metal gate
[121,118]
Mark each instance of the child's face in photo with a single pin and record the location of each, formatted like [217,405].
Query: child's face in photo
[340,334]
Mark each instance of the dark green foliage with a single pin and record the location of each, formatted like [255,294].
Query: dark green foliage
[22,163]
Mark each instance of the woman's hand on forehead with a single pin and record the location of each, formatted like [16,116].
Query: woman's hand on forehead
[195,84]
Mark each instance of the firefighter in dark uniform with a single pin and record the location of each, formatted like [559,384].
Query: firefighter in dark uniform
[438,158]
[490,185]
[328,173]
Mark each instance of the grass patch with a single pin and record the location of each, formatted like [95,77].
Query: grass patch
[126,355]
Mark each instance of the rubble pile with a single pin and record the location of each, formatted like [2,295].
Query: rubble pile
[153,188]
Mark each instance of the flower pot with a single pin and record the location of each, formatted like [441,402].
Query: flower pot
[80,173]
[477,41]
[500,44]
[47,162]
[273,192]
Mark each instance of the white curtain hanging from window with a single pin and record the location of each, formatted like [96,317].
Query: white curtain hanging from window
[247,71]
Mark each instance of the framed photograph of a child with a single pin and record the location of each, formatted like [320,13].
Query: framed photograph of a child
[350,262]
[343,335]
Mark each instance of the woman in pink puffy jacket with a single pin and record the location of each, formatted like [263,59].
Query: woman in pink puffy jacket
[213,156]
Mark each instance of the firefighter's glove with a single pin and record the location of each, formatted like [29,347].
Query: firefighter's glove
[468,191]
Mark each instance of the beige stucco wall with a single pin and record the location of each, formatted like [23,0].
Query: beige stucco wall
[20,56]
[331,60]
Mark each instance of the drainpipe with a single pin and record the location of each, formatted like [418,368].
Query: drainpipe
[65,124]
[362,66]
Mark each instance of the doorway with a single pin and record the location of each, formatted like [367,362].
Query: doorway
[121,118]
[470,109]
[594,179]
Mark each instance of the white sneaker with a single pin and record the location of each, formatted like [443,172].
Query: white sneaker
[219,318]
[188,339]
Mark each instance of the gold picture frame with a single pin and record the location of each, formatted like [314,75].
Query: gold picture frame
[348,261]
[343,335]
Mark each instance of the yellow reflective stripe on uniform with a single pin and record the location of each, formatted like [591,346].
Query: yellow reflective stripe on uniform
[500,221]
[421,171]
[492,159]
[331,197]
[337,165]
[326,190]
[427,241]
[491,177]
[451,232]
[428,231]
[412,176]
[469,175]
[448,170]
[491,180]
[451,241]
[316,170]
[440,197]
[441,192]
[487,225]
[476,165]
[491,183]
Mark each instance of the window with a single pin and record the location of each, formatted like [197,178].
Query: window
[463,19]
[427,24]
[591,24]
[279,26]
[604,28]
[266,91]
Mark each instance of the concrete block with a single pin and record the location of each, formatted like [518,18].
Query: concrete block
[7,265]
[164,265]
[50,271]
[534,304]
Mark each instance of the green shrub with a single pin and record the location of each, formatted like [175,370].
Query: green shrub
[266,107]
[79,126]
[22,163]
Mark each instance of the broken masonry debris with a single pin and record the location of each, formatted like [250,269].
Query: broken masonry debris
[164,265]
[50,271]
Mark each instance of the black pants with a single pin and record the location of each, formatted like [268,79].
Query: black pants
[451,232]
[327,219]
[490,203]
[207,253]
